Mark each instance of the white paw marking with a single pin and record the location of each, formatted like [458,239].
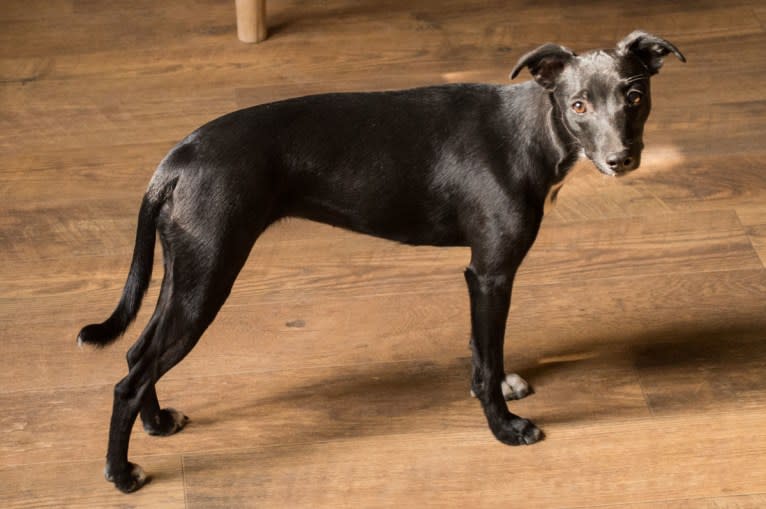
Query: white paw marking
[138,474]
[514,386]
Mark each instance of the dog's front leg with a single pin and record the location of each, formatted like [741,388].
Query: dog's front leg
[490,296]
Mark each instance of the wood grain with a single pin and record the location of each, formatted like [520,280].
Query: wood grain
[390,470]
[753,217]
[337,373]
[77,483]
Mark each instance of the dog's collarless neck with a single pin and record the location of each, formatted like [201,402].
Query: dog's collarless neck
[563,142]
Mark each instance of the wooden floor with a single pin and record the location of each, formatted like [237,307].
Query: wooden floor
[337,373]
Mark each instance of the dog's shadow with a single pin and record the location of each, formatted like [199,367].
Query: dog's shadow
[680,367]
[345,401]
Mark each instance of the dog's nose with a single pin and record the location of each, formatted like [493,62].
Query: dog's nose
[619,161]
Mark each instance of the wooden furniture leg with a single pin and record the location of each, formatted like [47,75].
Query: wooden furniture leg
[251,20]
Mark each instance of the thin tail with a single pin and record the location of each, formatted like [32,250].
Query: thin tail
[105,333]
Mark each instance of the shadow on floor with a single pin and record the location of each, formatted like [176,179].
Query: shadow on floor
[681,368]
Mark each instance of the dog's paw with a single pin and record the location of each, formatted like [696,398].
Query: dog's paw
[518,431]
[128,480]
[513,387]
[167,422]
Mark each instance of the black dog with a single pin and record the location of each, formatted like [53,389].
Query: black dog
[453,165]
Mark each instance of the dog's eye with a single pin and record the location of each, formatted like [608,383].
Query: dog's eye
[579,107]
[634,98]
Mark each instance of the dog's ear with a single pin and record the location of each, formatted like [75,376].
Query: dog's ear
[650,49]
[545,63]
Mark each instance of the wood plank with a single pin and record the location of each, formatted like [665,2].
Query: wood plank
[723,502]
[76,483]
[753,217]
[584,468]
[311,404]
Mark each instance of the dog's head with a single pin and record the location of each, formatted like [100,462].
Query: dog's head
[602,96]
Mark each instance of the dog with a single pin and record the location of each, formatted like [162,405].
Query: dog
[449,165]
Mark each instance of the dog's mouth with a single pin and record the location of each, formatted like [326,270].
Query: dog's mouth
[606,170]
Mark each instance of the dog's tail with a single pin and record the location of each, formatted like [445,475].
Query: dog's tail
[105,333]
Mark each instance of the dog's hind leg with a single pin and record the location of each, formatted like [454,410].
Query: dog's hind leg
[129,395]
[156,421]
[200,273]
[180,319]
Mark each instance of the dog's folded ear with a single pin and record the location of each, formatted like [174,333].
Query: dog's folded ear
[545,63]
[649,48]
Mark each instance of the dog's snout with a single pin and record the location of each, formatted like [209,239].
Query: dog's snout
[620,161]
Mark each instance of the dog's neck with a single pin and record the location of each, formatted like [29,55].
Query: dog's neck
[564,143]
[537,122]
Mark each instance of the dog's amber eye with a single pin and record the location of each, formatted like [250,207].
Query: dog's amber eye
[579,107]
[634,98]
